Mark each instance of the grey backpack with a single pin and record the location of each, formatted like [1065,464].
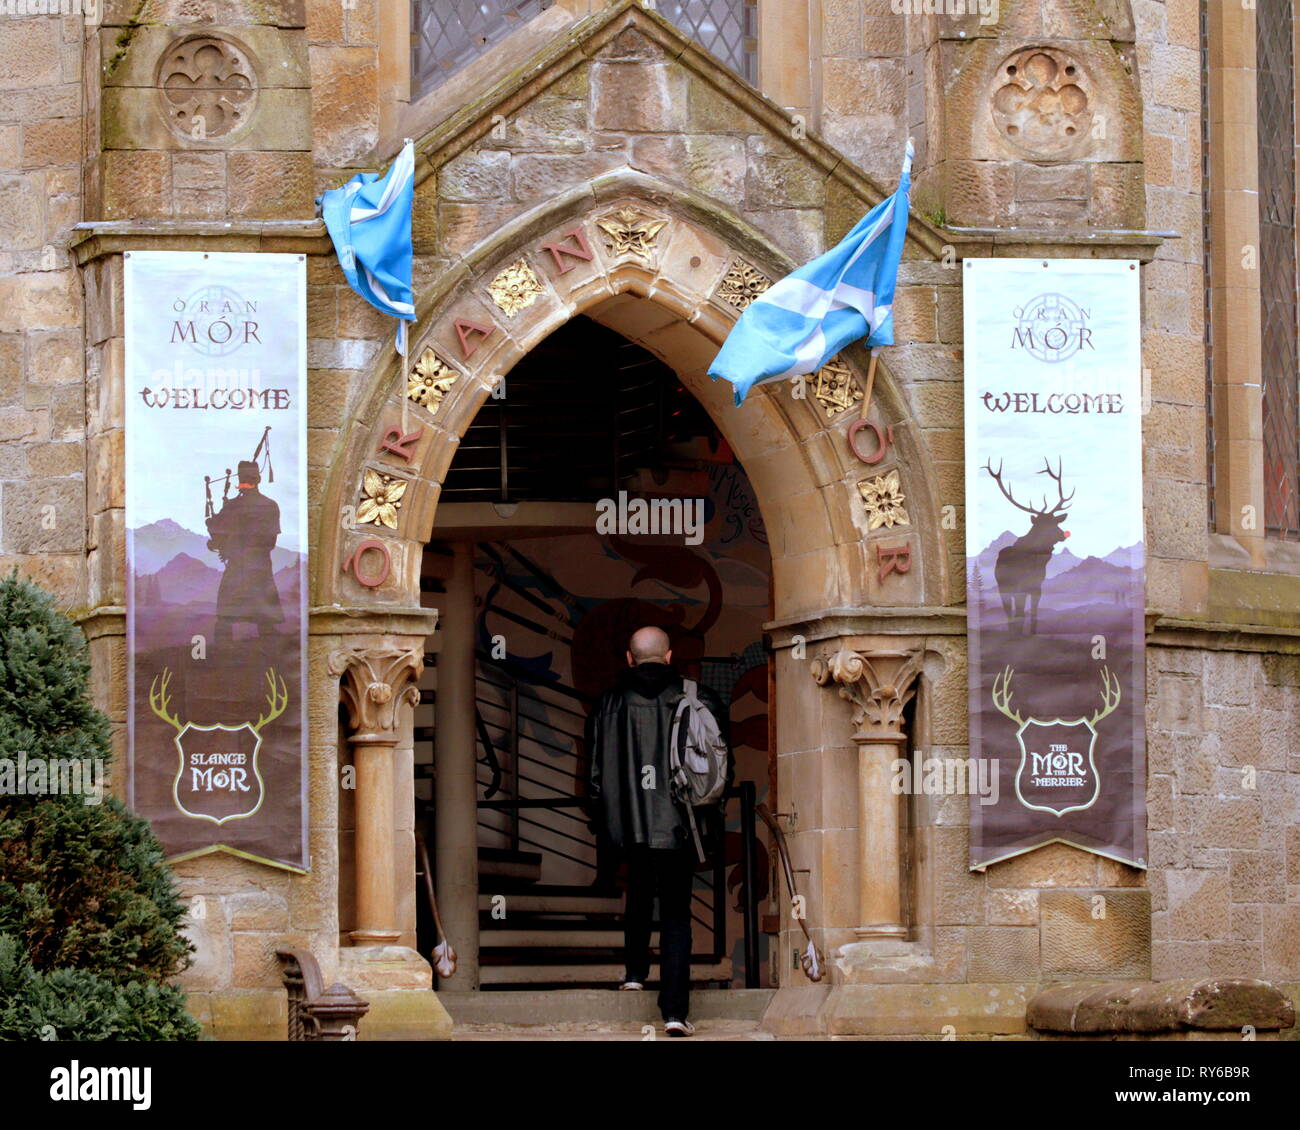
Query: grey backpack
[697,757]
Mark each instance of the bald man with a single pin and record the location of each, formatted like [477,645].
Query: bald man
[628,738]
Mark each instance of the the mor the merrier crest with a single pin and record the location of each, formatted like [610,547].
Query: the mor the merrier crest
[216,541]
[1057,771]
[1055,555]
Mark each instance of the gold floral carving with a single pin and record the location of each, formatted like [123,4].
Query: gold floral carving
[430,380]
[516,288]
[381,498]
[834,387]
[628,232]
[376,681]
[742,284]
[879,685]
[883,497]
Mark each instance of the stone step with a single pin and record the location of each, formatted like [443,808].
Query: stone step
[596,973]
[649,1027]
[564,938]
[533,903]
[547,1007]
[502,863]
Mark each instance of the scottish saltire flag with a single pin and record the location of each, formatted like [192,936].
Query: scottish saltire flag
[801,322]
[369,220]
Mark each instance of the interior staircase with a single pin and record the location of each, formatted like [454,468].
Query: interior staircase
[550,912]
[550,909]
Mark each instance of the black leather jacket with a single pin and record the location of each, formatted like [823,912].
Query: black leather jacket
[628,730]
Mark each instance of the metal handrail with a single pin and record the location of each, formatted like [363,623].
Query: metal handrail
[812,959]
[710,911]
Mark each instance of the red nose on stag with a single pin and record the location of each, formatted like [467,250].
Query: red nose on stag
[1022,565]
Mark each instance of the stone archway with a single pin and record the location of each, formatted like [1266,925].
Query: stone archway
[668,271]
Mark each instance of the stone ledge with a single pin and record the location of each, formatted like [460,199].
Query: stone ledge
[404,1014]
[1215,1004]
[347,620]
[933,1011]
[94,239]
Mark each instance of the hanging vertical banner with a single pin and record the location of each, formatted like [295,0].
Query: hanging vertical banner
[216,381]
[1055,555]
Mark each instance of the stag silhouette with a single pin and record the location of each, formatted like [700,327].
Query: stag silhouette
[1022,565]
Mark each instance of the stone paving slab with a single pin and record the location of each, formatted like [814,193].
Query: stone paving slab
[627,1032]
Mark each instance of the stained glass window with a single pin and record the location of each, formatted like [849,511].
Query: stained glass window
[448,34]
[727,28]
[1207,250]
[1275,95]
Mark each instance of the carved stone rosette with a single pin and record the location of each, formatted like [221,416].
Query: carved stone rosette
[376,682]
[879,686]
[1041,104]
[207,87]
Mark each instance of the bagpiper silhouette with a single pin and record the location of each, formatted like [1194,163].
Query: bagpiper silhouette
[243,534]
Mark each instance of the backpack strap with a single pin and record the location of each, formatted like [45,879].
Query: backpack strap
[677,737]
[689,701]
[695,833]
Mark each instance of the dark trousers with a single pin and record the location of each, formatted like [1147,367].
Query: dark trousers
[668,873]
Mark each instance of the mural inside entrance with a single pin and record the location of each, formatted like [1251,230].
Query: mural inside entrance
[553,616]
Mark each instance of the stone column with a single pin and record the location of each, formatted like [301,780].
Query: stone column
[879,684]
[376,681]
[455,776]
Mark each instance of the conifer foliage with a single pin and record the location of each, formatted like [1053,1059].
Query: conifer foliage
[89,915]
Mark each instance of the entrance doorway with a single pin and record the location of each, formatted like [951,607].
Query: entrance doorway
[589,424]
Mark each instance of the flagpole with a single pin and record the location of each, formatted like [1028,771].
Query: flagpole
[871,380]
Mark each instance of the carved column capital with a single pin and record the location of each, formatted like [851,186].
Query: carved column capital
[879,684]
[375,682]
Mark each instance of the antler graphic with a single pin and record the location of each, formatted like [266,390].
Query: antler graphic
[160,699]
[1006,493]
[1002,696]
[1062,501]
[277,698]
[1110,695]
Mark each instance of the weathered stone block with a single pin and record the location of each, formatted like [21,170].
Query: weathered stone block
[29,54]
[925,1010]
[271,186]
[40,300]
[279,13]
[1221,1004]
[43,516]
[638,97]
[1083,937]
[278,58]
[476,174]
[1003,953]
[539,176]
[283,119]
[135,185]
